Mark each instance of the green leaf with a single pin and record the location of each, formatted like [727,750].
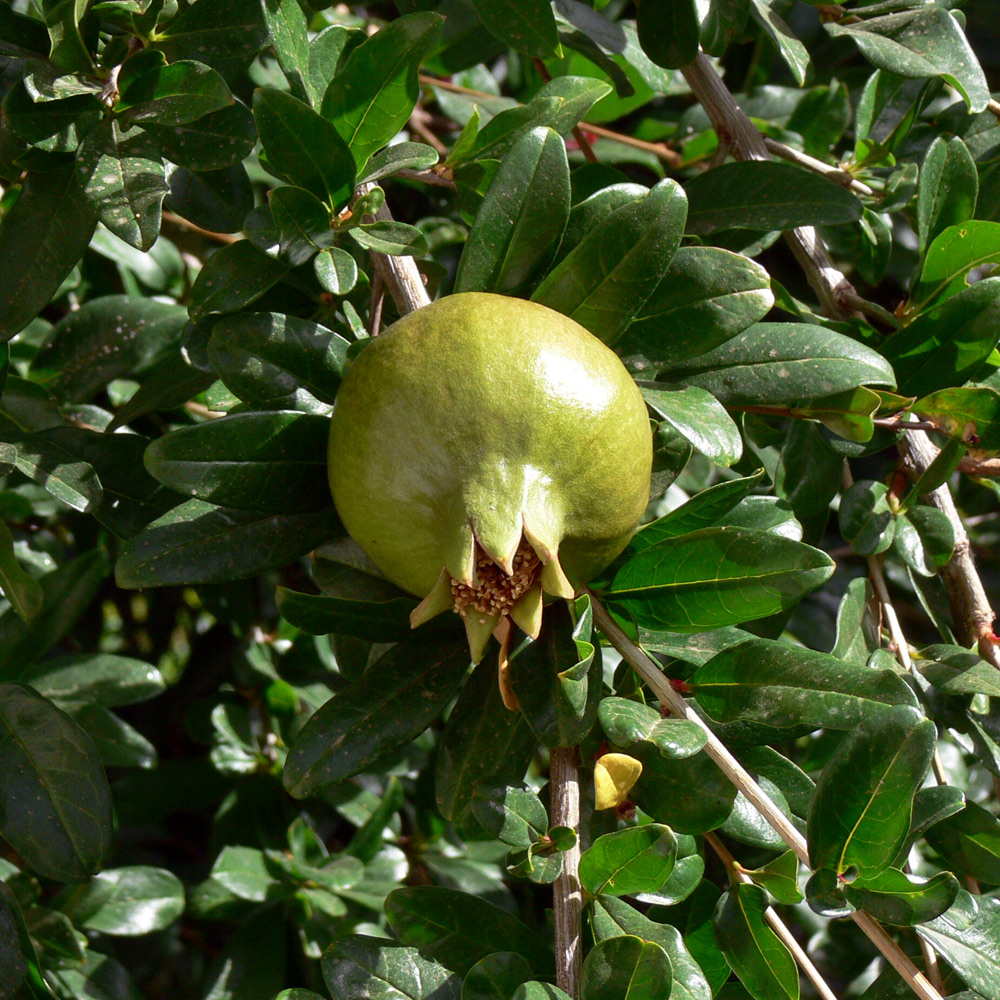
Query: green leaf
[925,539]
[521,218]
[783,364]
[386,708]
[779,877]
[55,805]
[304,147]
[215,141]
[762,680]
[385,621]
[706,297]
[698,416]
[75,483]
[458,929]
[223,28]
[605,280]
[232,278]
[920,43]
[625,968]
[217,200]
[793,52]
[948,187]
[626,722]
[273,462]
[169,384]
[630,861]
[101,678]
[557,677]
[668,32]
[246,873]
[42,236]
[21,35]
[496,975]
[755,953]
[860,813]
[13,961]
[399,156]
[302,223]
[528,26]
[371,97]
[22,590]
[970,415]
[289,31]
[121,172]
[514,815]
[969,842]
[118,744]
[766,195]
[953,253]
[866,520]
[251,963]
[892,897]
[67,591]
[690,795]
[127,901]
[109,337]
[967,937]
[198,542]
[357,965]
[336,270]
[390,237]
[269,359]
[957,670]
[169,94]
[716,576]
[483,744]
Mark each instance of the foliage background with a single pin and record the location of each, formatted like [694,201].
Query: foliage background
[227,769]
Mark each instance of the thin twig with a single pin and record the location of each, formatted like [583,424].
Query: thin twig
[994,106]
[895,424]
[649,671]
[737,873]
[871,309]
[836,174]
[567,898]
[177,220]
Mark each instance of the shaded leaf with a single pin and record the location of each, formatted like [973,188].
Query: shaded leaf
[625,968]
[638,859]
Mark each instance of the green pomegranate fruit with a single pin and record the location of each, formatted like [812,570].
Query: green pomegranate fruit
[484,450]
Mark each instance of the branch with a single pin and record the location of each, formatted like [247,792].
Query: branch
[649,671]
[835,174]
[567,899]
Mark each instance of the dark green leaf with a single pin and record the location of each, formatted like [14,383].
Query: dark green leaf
[169,94]
[625,968]
[920,43]
[303,146]
[755,953]
[514,815]
[969,842]
[496,975]
[234,277]
[604,281]
[56,806]
[289,31]
[399,156]
[952,255]
[970,415]
[716,576]
[949,184]
[199,542]
[390,237]
[630,861]
[273,462]
[766,195]
[668,32]
[42,236]
[358,965]
[626,722]
[20,35]
[866,520]
[957,670]
[860,814]
[700,417]
[892,897]
[457,929]
[526,25]
[217,200]
[967,937]
[336,270]
[252,962]
[127,901]
[101,677]
[925,539]
[371,97]
[302,223]
[779,877]
[22,590]
[387,621]
[521,218]
[782,364]
[794,53]
[782,685]
[223,28]
[213,142]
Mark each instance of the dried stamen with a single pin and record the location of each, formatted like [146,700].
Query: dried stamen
[497,592]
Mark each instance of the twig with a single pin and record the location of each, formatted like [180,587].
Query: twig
[994,106]
[426,177]
[177,220]
[567,899]
[375,310]
[835,174]
[658,149]
[737,873]
[649,671]
[970,607]
[980,467]
[419,122]
[895,424]
[871,309]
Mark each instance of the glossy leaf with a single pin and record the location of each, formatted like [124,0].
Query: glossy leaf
[457,929]
[336,270]
[860,814]
[55,805]
[127,901]
[626,722]
[42,236]
[232,278]
[957,670]
[521,218]
[301,221]
[766,195]
[273,462]
[753,950]
[892,897]
[318,614]
[951,256]
[949,184]
[605,280]
[920,43]
[514,815]
[397,157]
[386,708]
[496,975]
[783,364]
[20,588]
[700,417]
[866,520]
[668,33]
[969,842]
[215,141]
[389,237]
[525,25]
[779,684]
[169,93]
[967,937]
[925,539]
[793,51]
[779,877]
[716,576]
[625,968]
[637,859]
[289,31]
[103,678]
[199,542]
[304,147]
[228,28]
[706,297]
[372,95]
[970,414]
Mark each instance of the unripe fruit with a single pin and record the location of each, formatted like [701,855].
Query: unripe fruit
[485,449]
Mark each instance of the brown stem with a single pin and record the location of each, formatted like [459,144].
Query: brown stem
[177,220]
[567,899]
